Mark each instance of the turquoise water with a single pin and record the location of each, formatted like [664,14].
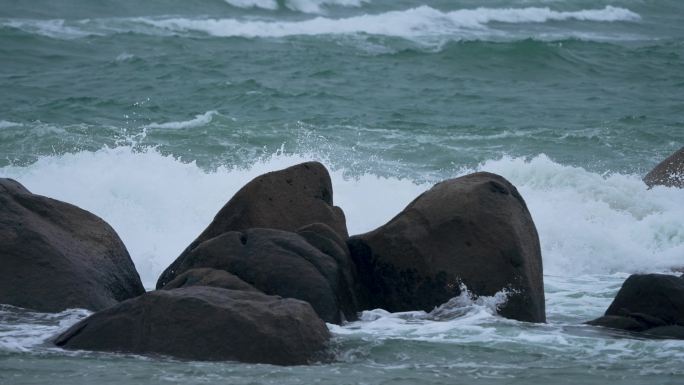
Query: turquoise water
[413,89]
[152,114]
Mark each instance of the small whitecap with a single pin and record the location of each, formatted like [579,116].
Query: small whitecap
[7,124]
[199,121]
[123,57]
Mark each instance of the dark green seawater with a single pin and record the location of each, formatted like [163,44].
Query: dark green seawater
[153,113]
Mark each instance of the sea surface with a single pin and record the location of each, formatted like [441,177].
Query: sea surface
[151,114]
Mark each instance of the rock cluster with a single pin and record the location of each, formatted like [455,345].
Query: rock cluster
[276,263]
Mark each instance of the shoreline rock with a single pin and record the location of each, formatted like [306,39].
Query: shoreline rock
[55,255]
[207,324]
[651,304]
[275,262]
[281,234]
[474,230]
[669,172]
[285,199]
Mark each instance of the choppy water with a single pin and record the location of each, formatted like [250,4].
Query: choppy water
[152,114]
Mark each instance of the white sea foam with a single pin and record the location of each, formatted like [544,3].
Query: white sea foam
[415,22]
[7,124]
[56,28]
[316,6]
[264,4]
[473,323]
[123,57]
[592,223]
[465,312]
[306,6]
[588,223]
[22,330]
[422,23]
[199,121]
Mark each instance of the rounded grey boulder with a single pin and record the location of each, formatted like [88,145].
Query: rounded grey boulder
[474,230]
[285,200]
[649,303]
[54,255]
[205,323]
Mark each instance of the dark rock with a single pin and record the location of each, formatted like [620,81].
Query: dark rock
[646,319]
[286,200]
[209,277]
[56,256]
[657,295]
[670,331]
[669,172]
[474,230]
[205,323]
[654,302]
[326,240]
[618,322]
[278,263]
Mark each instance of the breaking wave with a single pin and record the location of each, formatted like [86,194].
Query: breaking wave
[588,223]
[413,23]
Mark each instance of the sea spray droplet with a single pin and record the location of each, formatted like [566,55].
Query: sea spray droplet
[465,302]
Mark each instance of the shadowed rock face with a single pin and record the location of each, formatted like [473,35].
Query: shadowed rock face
[55,256]
[206,323]
[669,172]
[285,200]
[208,277]
[278,263]
[474,230]
[648,303]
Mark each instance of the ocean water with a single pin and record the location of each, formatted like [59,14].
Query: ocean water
[151,114]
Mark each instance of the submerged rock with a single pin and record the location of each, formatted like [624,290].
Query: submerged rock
[54,255]
[276,262]
[474,230]
[669,172]
[649,303]
[205,323]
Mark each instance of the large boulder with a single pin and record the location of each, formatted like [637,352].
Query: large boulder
[286,200]
[56,256]
[474,230]
[205,323]
[669,172]
[648,303]
[280,263]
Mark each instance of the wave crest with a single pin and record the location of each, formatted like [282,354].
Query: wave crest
[306,6]
[419,22]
